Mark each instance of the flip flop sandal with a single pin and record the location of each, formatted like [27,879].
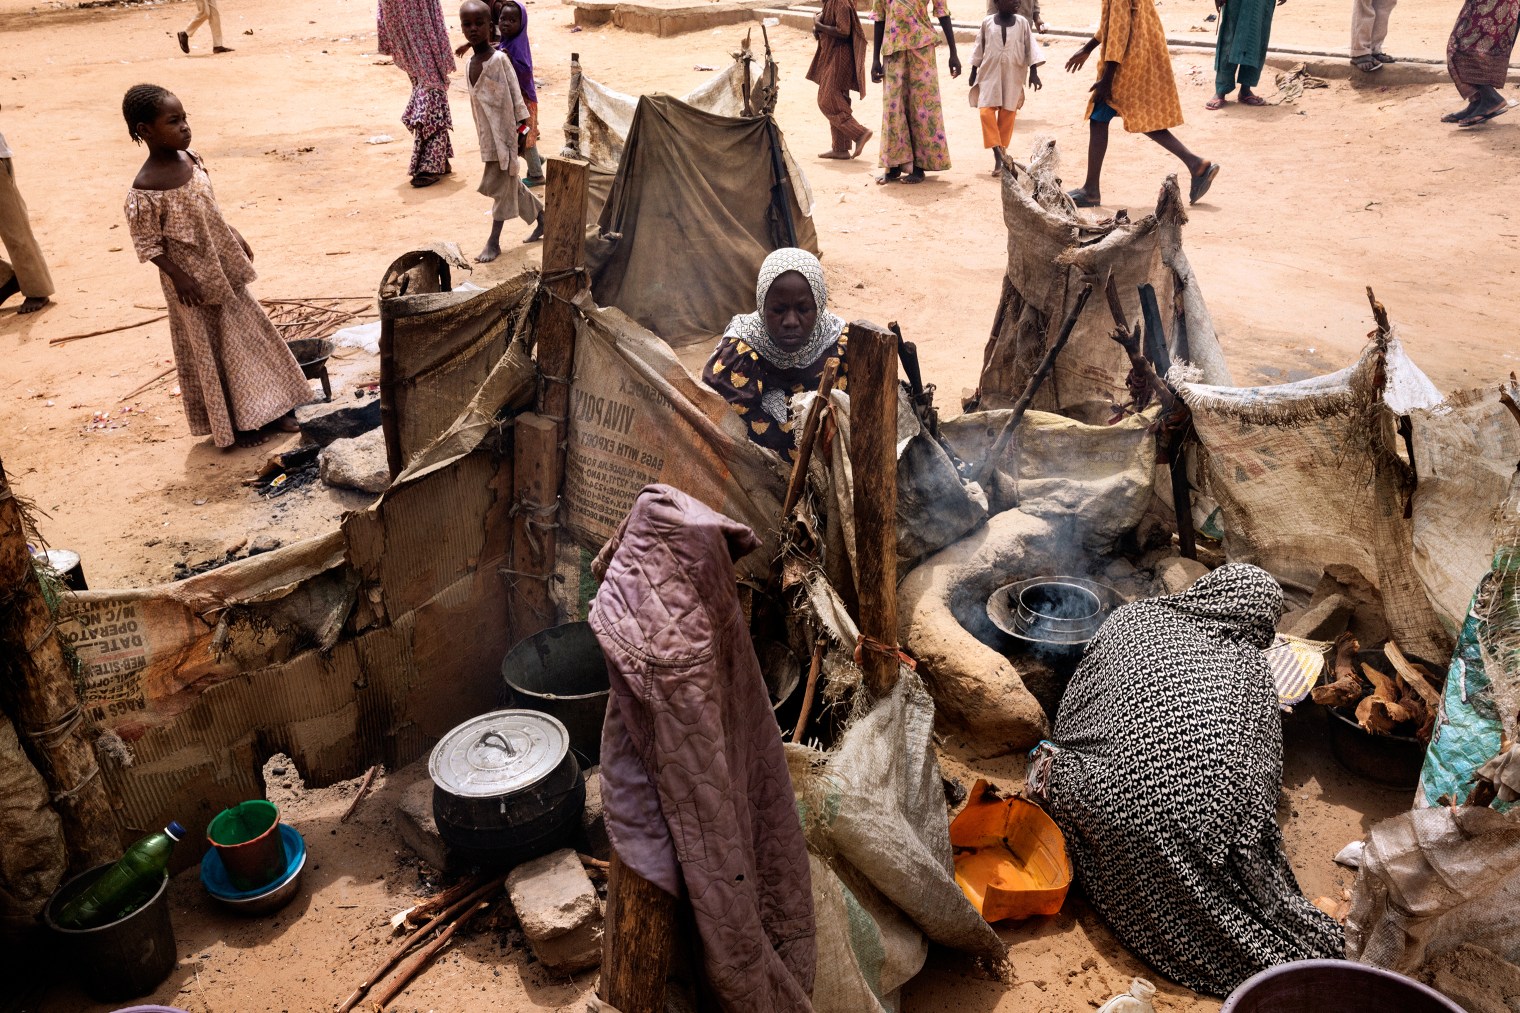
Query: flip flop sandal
[1253,100]
[1201,183]
[423,179]
[1367,64]
[1215,103]
[1080,199]
[532,181]
[1473,121]
[184,42]
[1456,117]
[1384,58]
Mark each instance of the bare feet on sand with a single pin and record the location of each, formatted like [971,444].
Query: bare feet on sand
[490,253]
[31,304]
[860,145]
[841,155]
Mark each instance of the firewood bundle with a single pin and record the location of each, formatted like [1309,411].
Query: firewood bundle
[1404,703]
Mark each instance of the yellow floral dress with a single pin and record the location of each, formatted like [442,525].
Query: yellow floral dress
[1145,88]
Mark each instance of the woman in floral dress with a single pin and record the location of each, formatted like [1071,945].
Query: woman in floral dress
[912,121]
[413,33]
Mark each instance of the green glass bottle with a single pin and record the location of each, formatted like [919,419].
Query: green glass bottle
[124,887]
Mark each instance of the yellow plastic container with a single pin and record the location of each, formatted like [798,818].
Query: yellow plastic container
[1010,858]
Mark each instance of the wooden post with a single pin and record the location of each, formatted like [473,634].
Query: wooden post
[637,945]
[535,444]
[539,448]
[44,704]
[873,459]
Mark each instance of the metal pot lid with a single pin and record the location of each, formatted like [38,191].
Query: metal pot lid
[498,753]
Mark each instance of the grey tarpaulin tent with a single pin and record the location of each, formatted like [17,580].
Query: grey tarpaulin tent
[698,201]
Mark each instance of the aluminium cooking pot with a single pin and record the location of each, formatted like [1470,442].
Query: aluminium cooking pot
[507,785]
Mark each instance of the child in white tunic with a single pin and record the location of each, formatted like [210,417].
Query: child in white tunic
[1006,55]
[501,120]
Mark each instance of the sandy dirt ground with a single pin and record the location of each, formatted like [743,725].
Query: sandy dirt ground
[1354,185]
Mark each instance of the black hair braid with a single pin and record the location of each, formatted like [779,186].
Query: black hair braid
[141,105]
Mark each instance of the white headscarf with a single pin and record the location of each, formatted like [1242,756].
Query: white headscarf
[751,328]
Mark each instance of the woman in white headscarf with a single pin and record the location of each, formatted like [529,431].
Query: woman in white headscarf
[779,350]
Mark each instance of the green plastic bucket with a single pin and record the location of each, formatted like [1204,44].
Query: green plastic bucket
[248,842]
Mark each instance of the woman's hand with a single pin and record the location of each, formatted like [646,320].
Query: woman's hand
[877,75]
[187,288]
[955,65]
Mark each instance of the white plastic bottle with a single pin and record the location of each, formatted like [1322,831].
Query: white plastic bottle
[1136,1000]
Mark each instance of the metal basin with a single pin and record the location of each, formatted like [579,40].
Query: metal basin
[1056,611]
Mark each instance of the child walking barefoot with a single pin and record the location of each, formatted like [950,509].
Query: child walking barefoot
[501,120]
[1006,55]
[235,373]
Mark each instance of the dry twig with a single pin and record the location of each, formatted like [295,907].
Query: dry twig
[369,777]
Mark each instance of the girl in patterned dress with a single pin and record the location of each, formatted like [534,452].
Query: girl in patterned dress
[912,120]
[236,375]
[779,350]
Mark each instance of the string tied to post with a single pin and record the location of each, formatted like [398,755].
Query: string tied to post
[866,643]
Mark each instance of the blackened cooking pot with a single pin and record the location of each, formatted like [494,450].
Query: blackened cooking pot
[507,786]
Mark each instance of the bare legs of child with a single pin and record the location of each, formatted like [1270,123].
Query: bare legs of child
[493,245]
[1201,171]
[538,230]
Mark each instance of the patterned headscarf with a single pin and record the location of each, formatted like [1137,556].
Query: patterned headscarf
[751,326]
[1240,601]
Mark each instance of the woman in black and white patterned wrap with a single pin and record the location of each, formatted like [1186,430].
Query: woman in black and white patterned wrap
[779,350]
[1164,771]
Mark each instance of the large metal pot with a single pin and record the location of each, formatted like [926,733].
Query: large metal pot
[507,786]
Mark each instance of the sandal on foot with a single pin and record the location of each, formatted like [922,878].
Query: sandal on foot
[1217,102]
[425,179]
[531,181]
[1484,117]
[1080,199]
[1201,183]
[1252,99]
[1458,116]
[1383,58]
[184,41]
[1367,64]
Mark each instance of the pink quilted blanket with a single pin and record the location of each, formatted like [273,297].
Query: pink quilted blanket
[695,788]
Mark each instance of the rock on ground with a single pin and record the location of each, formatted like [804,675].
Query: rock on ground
[559,911]
[325,422]
[419,831]
[359,463]
[1175,575]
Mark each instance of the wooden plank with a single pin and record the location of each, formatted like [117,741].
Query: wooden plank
[873,459]
[535,488]
[40,697]
[638,942]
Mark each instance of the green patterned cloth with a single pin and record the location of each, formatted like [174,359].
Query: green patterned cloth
[1244,28]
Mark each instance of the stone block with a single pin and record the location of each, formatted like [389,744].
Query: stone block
[414,818]
[359,463]
[1177,574]
[1323,621]
[559,911]
[324,422]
